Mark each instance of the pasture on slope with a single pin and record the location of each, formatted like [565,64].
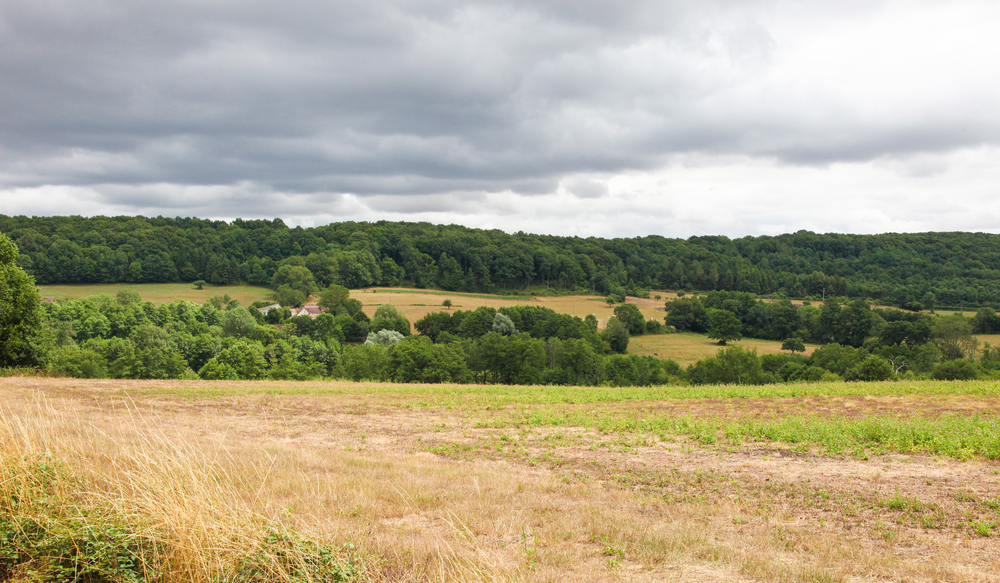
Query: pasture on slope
[809,482]
[160,293]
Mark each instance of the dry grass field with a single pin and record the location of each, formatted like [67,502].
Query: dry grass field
[416,303]
[800,483]
[689,347]
[160,293]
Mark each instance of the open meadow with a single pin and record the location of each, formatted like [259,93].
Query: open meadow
[689,347]
[160,293]
[417,303]
[833,482]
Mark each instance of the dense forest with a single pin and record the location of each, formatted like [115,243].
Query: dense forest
[908,270]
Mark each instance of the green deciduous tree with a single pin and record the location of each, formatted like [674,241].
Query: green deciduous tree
[388,317]
[419,360]
[955,370]
[953,336]
[288,296]
[725,326]
[150,354]
[333,297]
[731,365]
[793,345]
[633,319]
[616,335]
[20,315]
[295,276]
[78,363]
[433,324]
[873,368]
[237,323]
[368,362]
[246,358]
[687,315]
[502,324]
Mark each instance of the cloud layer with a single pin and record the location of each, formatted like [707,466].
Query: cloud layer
[568,116]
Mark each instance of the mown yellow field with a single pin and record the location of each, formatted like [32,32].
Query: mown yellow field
[992,339]
[160,293]
[689,347]
[415,304]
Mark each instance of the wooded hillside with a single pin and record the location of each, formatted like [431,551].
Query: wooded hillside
[935,269]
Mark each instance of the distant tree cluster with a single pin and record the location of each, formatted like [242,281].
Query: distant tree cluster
[859,343]
[913,271]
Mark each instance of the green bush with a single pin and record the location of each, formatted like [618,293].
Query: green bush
[873,368]
[955,370]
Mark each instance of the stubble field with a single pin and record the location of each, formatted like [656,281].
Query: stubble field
[819,482]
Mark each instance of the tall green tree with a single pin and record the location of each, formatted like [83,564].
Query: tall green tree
[953,336]
[616,335]
[20,314]
[725,326]
[633,319]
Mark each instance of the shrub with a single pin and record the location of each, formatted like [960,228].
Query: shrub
[873,368]
[955,370]
[384,337]
[730,365]
[79,363]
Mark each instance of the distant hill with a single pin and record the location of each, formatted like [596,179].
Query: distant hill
[933,269]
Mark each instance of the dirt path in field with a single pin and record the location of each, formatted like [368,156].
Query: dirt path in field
[929,518]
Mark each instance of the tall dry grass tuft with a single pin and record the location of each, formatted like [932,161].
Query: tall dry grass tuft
[124,502]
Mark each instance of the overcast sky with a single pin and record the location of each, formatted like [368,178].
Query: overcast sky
[570,117]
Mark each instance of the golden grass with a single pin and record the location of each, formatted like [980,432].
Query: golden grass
[689,347]
[161,293]
[427,494]
[193,511]
[415,304]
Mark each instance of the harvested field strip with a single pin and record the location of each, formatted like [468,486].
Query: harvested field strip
[952,436]
[952,419]
[492,395]
[434,292]
[160,293]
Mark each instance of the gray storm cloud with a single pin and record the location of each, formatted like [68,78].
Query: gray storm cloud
[427,98]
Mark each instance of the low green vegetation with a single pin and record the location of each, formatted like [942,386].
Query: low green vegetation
[950,436]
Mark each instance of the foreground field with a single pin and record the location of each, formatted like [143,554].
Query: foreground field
[837,482]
